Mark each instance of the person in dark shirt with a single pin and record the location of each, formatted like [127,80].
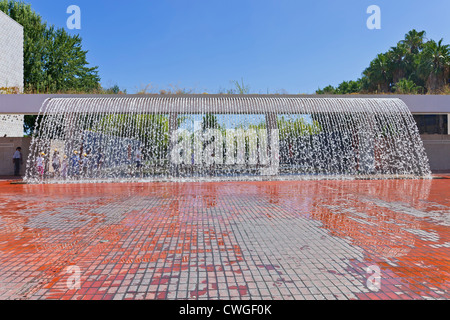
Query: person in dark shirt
[18,161]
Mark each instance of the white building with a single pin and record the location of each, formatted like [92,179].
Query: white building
[11,71]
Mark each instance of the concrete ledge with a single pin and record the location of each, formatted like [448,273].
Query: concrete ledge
[30,104]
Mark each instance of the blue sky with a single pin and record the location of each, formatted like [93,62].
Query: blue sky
[274,45]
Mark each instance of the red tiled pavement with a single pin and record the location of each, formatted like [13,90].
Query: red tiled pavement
[227,240]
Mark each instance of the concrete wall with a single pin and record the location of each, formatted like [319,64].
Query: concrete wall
[438,151]
[11,52]
[7,148]
[11,70]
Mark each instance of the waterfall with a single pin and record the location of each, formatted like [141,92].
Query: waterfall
[209,138]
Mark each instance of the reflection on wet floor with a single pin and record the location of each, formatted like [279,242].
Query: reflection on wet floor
[226,240]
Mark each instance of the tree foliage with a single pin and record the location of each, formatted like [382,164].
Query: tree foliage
[414,65]
[404,86]
[346,87]
[54,61]
[239,88]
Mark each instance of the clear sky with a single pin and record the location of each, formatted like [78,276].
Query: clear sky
[293,46]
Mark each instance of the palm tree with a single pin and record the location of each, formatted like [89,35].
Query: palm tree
[405,86]
[414,41]
[397,61]
[434,65]
[379,74]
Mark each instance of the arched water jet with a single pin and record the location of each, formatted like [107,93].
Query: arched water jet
[185,138]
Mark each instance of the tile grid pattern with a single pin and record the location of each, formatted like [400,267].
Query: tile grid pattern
[264,240]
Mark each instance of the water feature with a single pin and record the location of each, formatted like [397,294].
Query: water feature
[203,137]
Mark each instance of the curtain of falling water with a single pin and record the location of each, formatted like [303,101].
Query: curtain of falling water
[224,138]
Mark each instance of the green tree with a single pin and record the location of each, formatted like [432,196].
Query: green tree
[414,65]
[114,90]
[152,130]
[379,74]
[345,87]
[348,87]
[414,41]
[210,121]
[54,61]
[327,90]
[405,86]
[397,61]
[434,65]
[294,127]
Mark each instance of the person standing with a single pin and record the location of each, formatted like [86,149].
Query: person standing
[75,165]
[100,160]
[138,158]
[129,155]
[64,167]
[40,165]
[85,164]
[129,161]
[56,162]
[18,161]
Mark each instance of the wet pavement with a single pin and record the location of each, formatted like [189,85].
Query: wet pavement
[384,239]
